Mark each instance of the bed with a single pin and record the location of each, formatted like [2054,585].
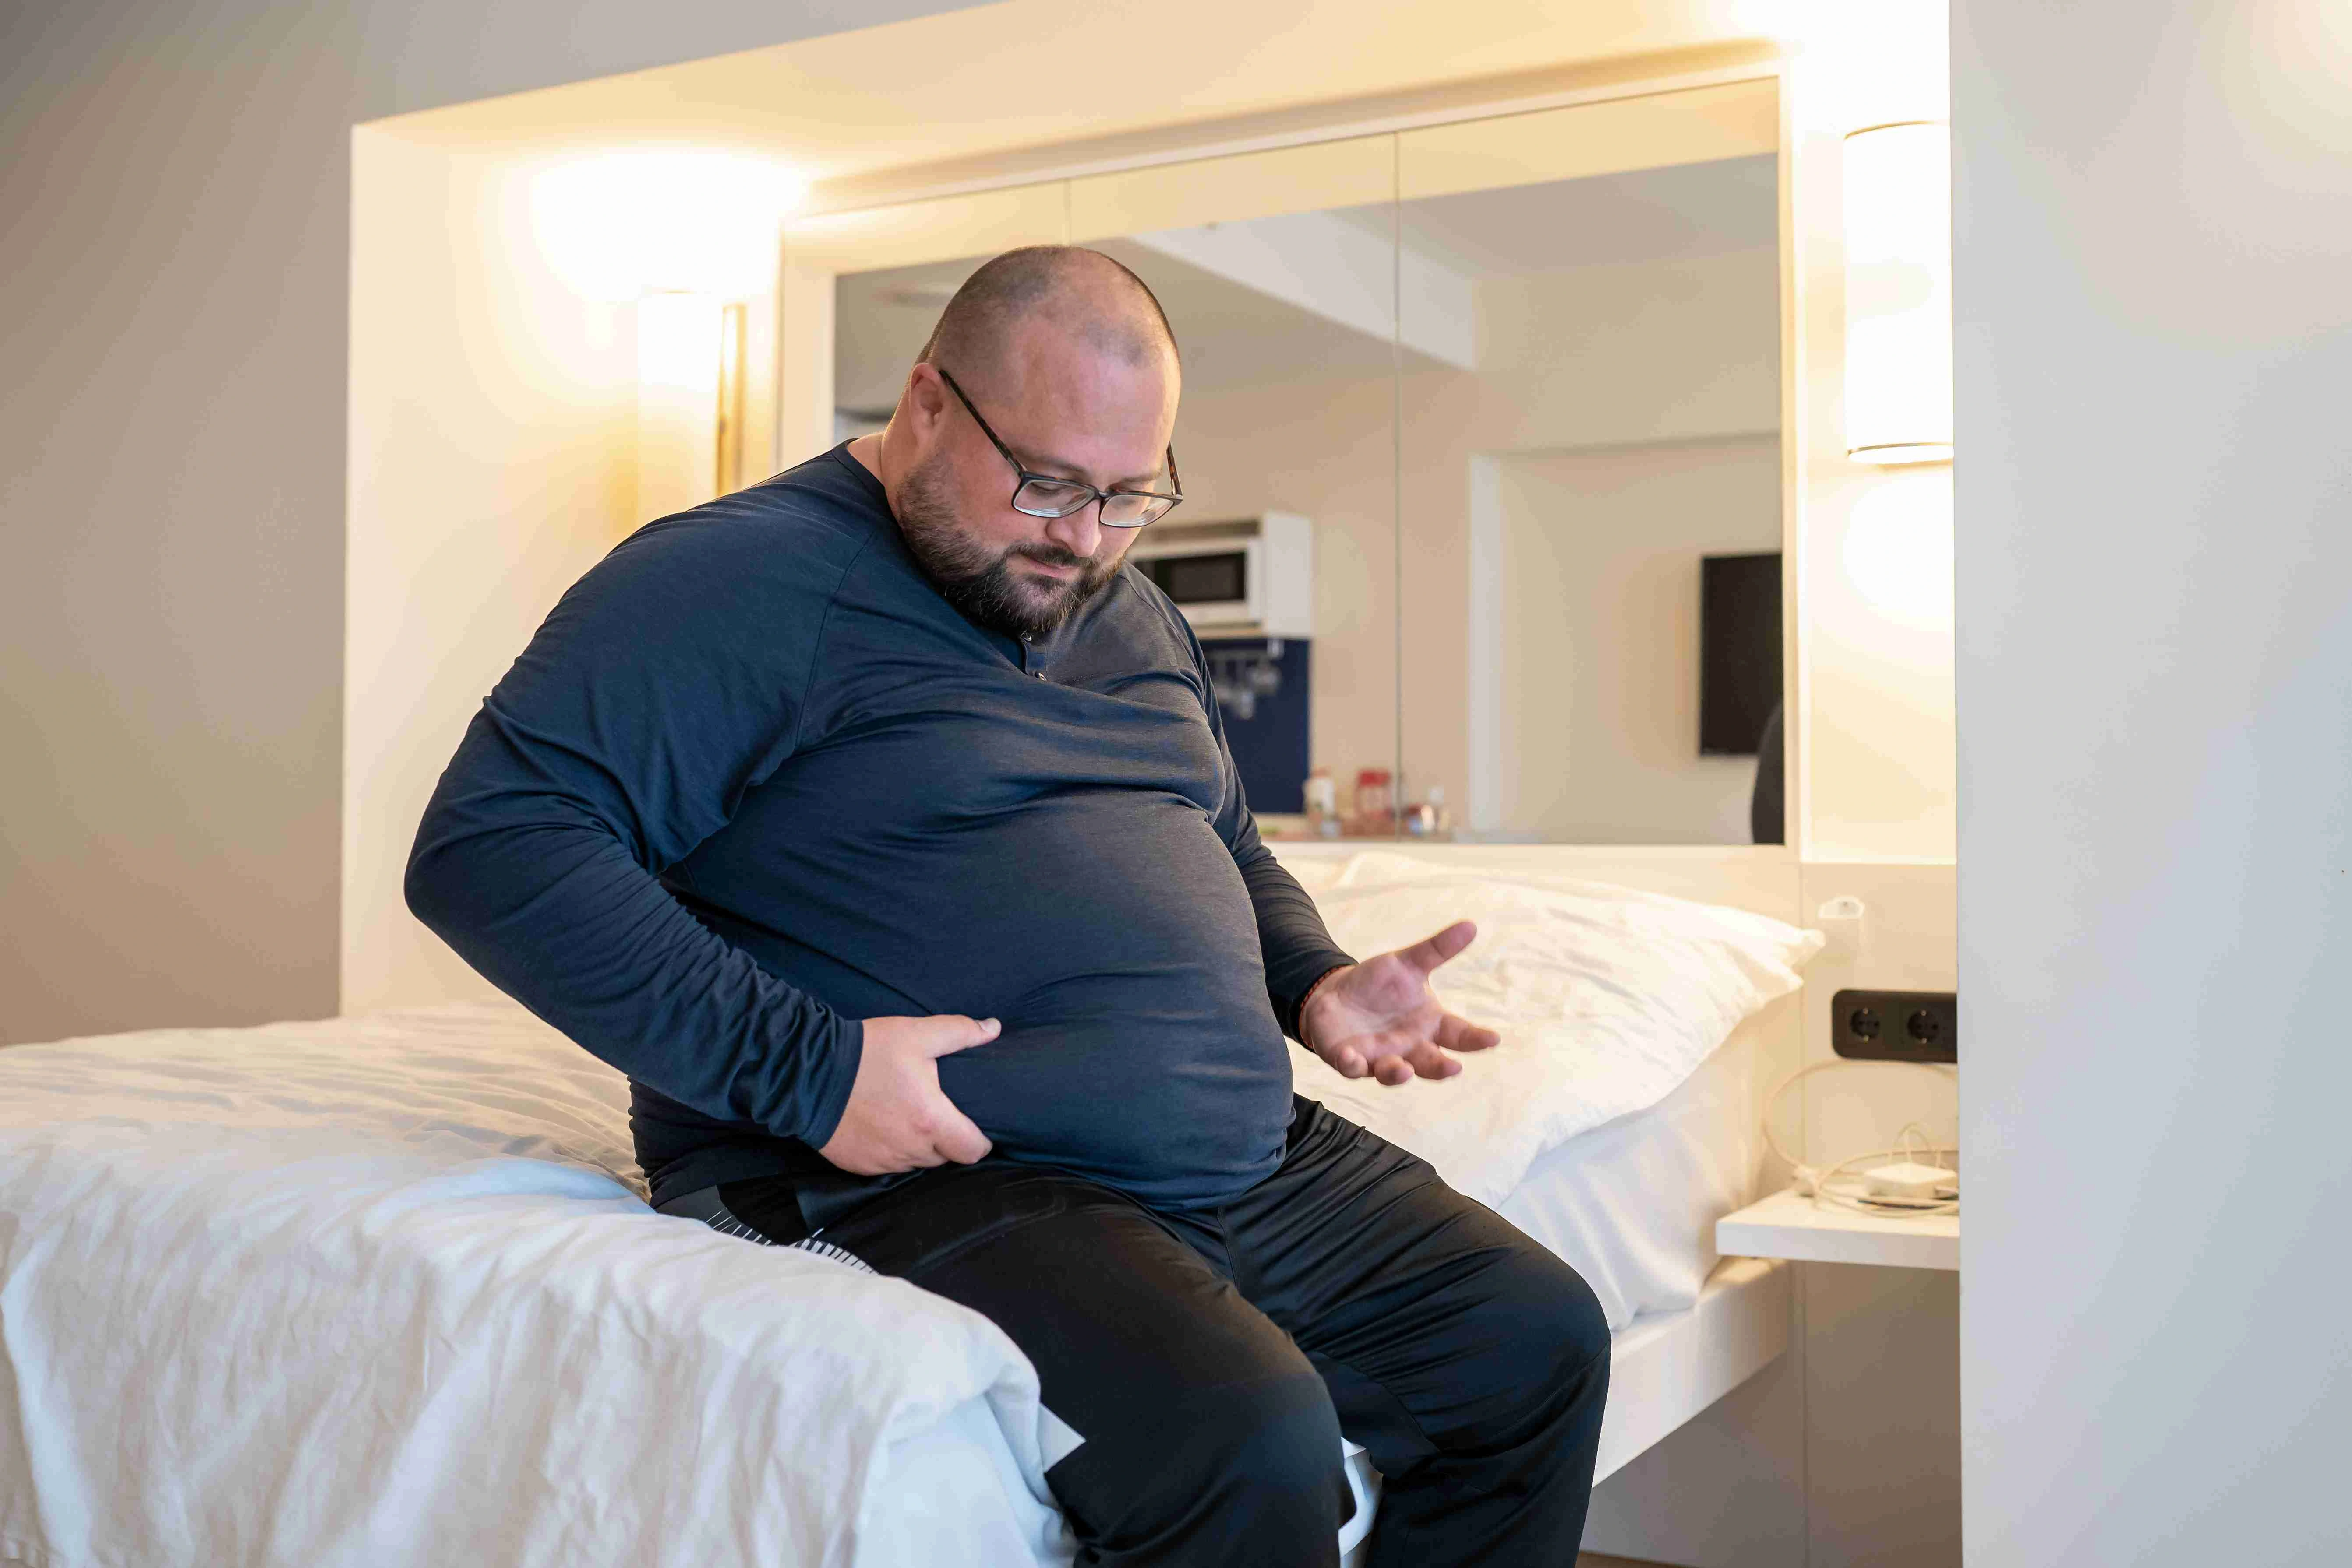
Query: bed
[383,1288]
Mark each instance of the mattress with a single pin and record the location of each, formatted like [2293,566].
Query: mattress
[1632,1205]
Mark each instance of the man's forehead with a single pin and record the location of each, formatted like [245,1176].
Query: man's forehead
[1064,401]
[1072,351]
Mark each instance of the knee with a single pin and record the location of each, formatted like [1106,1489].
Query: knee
[1280,1437]
[1576,1320]
[1550,1313]
[1255,1462]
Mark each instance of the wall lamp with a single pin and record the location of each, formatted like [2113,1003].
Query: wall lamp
[1898,294]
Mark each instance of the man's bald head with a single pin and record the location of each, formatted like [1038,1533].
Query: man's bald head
[1072,360]
[1083,293]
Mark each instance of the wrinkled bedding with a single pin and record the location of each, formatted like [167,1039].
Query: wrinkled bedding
[383,1289]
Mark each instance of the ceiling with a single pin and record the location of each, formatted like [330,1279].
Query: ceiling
[942,88]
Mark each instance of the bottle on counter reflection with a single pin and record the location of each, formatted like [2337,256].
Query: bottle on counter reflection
[1429,818]
[1322,804]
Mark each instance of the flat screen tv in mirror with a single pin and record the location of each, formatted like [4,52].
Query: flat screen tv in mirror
[1739,651]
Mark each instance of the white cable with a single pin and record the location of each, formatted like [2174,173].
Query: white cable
[1815,1184]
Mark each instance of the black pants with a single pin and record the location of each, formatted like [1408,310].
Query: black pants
[1211,1360]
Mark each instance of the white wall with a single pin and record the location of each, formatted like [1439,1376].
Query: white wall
[493,459]
[177,187]
[2154,524]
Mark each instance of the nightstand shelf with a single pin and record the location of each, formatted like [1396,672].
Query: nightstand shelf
[1788,1226]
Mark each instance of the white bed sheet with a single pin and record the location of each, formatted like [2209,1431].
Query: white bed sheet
[379,1290]
[1632,1205]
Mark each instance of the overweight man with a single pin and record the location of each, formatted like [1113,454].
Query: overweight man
[879,825]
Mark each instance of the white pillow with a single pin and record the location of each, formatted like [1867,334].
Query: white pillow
[1607,999]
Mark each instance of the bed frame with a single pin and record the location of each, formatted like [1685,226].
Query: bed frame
[1667,1367]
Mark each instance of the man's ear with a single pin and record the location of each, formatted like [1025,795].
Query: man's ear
[925,399]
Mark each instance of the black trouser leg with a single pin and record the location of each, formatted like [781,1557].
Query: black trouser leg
[1208,1438]
[1211,1361]
[1471,1363]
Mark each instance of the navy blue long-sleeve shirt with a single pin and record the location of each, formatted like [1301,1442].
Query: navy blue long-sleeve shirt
[755,780]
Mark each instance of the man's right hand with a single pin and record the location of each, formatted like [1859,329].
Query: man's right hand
[898,1118]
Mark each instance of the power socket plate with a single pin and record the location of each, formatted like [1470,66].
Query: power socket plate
[1896,1025]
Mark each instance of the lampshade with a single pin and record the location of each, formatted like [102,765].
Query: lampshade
[1898,294]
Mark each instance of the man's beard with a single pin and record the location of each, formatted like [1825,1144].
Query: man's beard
[980,582]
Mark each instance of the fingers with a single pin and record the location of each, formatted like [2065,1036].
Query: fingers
[1430,1062]
[1393,1059]
[1459,1034]
[947,1033]
[1422,1061]
[1432,951]
[956,1138]
[1362,1056]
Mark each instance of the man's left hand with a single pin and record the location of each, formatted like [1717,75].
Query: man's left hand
[1379,1018]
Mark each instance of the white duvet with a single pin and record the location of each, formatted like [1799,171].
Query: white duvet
[380,1291]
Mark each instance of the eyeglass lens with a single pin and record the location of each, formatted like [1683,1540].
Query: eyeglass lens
[1121,508]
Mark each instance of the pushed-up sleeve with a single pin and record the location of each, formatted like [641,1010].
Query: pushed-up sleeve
[664,684]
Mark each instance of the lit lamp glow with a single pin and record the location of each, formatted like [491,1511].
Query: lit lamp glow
[678,339]
[618,224]
[1898,294]
[687,235]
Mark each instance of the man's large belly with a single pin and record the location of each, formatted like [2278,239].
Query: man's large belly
[1154,1090]
[1112,934]
[1139,1048]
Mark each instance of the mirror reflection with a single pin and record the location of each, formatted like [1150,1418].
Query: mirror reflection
[1483,523]
[1592,504]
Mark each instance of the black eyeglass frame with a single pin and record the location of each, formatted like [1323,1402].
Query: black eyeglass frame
[1094,497]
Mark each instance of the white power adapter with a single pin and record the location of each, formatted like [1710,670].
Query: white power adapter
[1910,1179]
[1914,1186]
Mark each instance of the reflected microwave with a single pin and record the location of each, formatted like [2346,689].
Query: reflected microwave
[1237,577]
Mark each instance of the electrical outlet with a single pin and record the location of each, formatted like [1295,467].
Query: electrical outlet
[1896,1025]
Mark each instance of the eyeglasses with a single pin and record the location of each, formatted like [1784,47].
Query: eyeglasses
[1043,495]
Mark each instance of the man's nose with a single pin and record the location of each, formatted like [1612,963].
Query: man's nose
[1081,532]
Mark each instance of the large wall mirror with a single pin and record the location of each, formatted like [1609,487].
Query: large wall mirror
[1481,434]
